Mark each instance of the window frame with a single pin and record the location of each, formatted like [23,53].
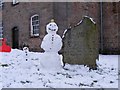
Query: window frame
[31,26]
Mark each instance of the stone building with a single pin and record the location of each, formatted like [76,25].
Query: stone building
[24,22]
[110,34]
[1,31]
[17,21]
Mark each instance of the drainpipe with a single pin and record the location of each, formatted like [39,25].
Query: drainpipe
[101,25]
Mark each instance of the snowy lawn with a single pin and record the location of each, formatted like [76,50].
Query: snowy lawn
[18,75]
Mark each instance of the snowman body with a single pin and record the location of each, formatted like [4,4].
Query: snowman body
[26,63]
[51,44]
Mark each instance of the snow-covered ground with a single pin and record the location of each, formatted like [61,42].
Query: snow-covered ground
[22,74]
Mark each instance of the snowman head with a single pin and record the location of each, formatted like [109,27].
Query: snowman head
[52,27]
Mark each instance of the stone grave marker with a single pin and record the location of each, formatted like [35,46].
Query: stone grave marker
[80,44]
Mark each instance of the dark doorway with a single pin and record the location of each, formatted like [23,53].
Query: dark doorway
[15,38]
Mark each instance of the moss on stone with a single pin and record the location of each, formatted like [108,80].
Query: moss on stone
[81,44]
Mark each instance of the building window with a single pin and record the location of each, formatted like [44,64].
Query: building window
[15,2]
[35,25]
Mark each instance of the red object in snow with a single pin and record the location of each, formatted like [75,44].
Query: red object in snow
[4,47]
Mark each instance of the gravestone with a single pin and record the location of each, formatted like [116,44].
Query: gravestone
[80,44]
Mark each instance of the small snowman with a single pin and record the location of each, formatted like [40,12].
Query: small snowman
[26,63]
[26,50]
[51,44]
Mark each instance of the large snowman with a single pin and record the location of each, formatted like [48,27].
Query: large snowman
[51,44]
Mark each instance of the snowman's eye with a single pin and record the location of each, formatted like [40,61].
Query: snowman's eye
[50,24]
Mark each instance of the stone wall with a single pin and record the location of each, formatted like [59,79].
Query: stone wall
[119,27]
[107,21]
[110,28]
[65,14]
[69,13]
[19,15]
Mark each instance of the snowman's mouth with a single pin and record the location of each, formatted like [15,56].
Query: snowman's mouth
[52,29]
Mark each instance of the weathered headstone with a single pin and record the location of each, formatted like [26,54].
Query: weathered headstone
[80,44]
